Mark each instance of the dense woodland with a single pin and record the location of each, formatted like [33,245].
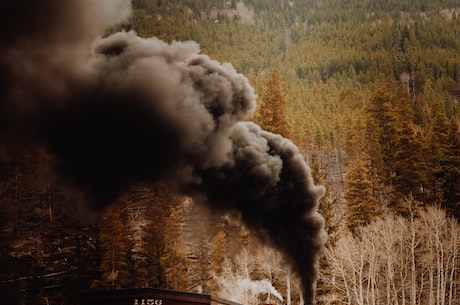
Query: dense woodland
[370,93]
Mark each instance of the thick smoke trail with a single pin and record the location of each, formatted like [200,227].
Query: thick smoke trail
[269,183]
[119,110]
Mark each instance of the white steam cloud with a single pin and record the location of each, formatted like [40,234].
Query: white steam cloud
[260,287]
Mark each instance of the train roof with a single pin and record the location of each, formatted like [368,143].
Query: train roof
[149,296]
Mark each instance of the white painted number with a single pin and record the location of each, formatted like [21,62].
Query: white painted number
[148,302]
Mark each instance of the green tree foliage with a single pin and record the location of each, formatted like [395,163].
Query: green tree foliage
[361,207]
[158,202]
[218,253]
[379,134]
[327,202]
[174,260]
[450,165]
[437,134]
[217,257]
[273,109]
[394,144]
[408,164]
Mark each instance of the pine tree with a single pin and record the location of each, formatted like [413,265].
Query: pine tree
[379,134]
[218,253]
[154,249]
[408,166]
[114,246]
[451,171]
[156,201]
[273,109]
[217,257]
[174,260]
[437,139]
[395,149]
[146,231]
[361,207]
[327,202]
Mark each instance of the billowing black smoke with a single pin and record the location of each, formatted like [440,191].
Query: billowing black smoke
[119,110]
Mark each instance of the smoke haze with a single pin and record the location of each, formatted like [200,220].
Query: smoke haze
[119,110]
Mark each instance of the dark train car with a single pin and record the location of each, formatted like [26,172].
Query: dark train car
[149,296]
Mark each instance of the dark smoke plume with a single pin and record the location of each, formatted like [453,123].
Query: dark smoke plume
[120,110]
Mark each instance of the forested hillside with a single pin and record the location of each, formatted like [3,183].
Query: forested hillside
[370,93]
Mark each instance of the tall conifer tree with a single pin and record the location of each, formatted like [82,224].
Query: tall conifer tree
[114,245]
[408,167]
[174,260]
[273,108]
[437,142]
[451,171]
[379,134]
[217,258]
[361,207]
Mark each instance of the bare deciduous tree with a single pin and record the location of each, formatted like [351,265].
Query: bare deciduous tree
[397,260]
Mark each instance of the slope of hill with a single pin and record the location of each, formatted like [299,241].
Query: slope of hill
[371,92]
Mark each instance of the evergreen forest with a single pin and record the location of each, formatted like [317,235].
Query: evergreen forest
[369,91]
